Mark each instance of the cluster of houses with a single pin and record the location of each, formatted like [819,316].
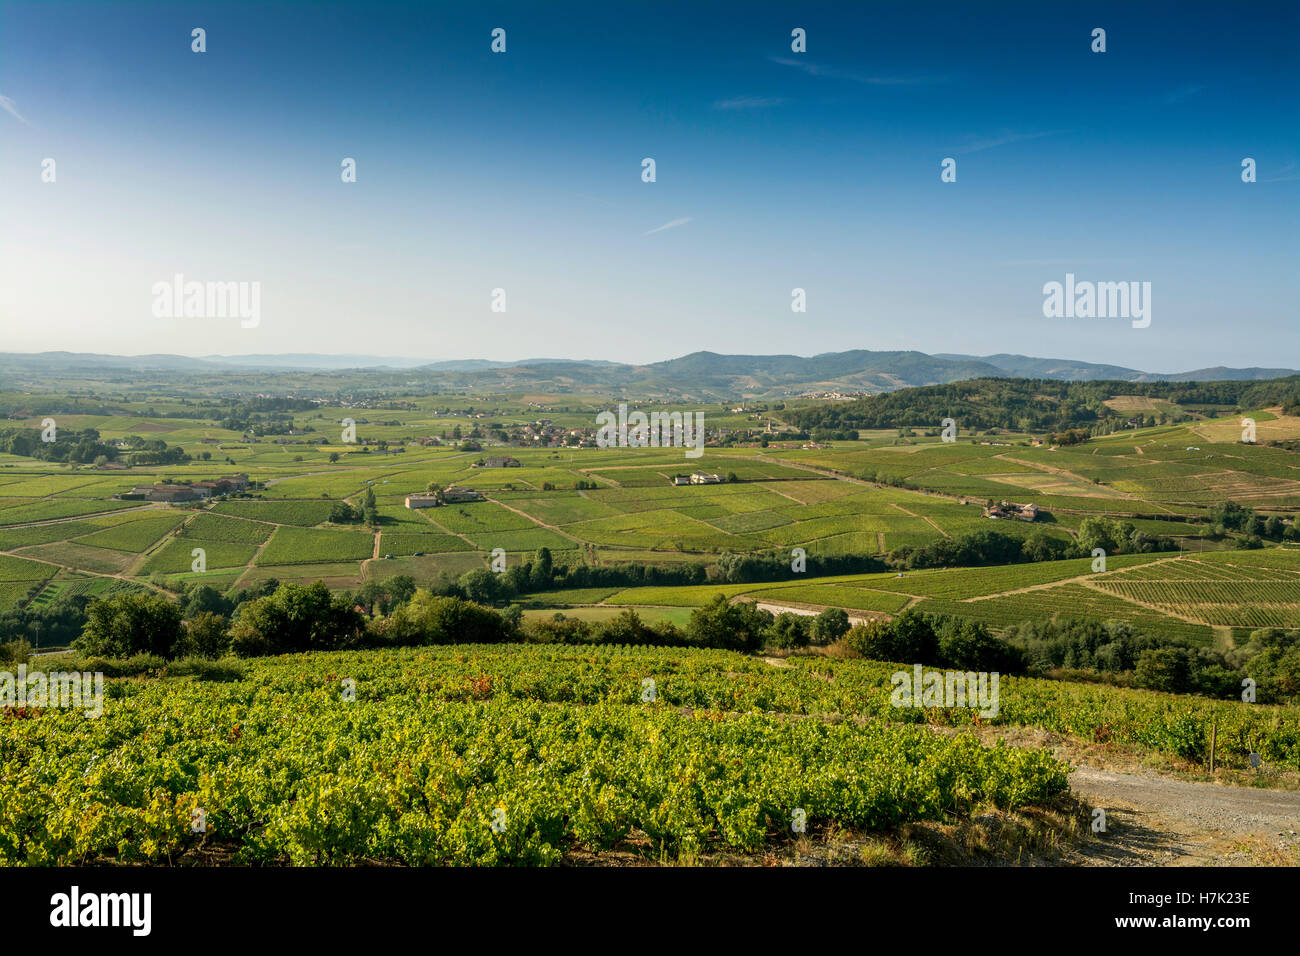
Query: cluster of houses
[697,478]
[451,496]
[1006,509]
[196,491]
[506,462]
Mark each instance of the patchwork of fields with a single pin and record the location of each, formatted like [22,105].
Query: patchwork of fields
[65,529]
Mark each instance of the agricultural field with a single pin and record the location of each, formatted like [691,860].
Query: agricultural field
[618,505]
[712,765]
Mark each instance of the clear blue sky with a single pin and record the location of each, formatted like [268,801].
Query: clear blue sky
[522,171]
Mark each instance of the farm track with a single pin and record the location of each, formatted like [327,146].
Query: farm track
[1154,820]
[1081,579]
[925,518]
[540,524]
[121,576]
[156,506]
[812,610]
[1087,513]
[1066,473]
[136,566]
[1160,819]
[1159,609]
[252,562]
[455,534]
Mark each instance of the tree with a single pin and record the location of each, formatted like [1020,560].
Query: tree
[206,635]
[401,588]
[830,625]
[873,640]
[296,618]
[343,513]
[788,631]
[915,639]
[1040,546]
[373,593]
[968,645]
[1229,514]
[543,570]
[481,586]
[334,457]
[205,598]
[131,624]
[1164,668]
[370,510]
[719,623]
[429,619]
[626,628]
[1111,536]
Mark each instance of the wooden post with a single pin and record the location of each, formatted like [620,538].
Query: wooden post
[1214,740]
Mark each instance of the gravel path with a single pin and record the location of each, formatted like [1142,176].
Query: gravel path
[1153,820]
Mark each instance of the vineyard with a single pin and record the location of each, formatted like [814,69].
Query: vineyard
[1216,591]
[522,754]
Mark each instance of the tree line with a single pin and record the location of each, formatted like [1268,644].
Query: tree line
[1036,405]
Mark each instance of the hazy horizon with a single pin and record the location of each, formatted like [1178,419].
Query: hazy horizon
[413,362]
[775,170]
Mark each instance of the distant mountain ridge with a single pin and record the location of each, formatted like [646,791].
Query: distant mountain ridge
[701,376]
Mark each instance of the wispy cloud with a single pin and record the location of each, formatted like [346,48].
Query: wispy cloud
[1285,174]
[835,73]
[9,107]
[671,224]
[1178,95]
[975,144]
[750,103]
[1060,262]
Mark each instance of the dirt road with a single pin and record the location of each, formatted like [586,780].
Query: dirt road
[1153,820]
[1159,819]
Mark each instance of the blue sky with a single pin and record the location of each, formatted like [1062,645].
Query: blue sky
[522,171]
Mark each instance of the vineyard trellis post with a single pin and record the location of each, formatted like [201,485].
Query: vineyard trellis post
[1214,740]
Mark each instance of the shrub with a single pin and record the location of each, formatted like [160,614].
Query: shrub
[131,624]
[296,618]
[830,625]
[203,668]
[429,619]
[741,626]
[206,635]
[15,652]
[789,631]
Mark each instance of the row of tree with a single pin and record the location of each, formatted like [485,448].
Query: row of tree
[277,619]
[1117,652]
[987,547]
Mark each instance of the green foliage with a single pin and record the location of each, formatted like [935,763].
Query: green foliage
[789,631]
[429,619]
[296,618]
[131,624]
[440,743]
[829,626]
[938,640]
[207,635]
[1019,404]
[740,626]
